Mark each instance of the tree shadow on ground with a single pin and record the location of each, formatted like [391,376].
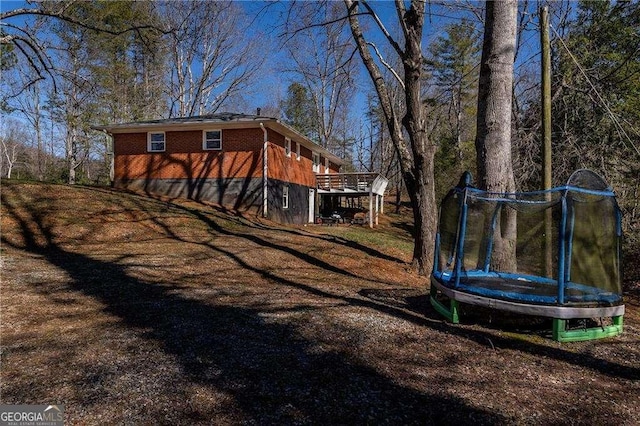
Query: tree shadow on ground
[273,374]
[241,218]
[414,306]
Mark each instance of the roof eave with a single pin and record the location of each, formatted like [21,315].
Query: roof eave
[183,125]
[293,134]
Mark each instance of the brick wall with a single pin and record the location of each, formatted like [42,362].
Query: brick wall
[184,158]
[289,169]
[241,156]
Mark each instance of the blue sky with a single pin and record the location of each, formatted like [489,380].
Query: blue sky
[266,21]
[438,18]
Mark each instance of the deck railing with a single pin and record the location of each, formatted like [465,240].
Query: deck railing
[359,182]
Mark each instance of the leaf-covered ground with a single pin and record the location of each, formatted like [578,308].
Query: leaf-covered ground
[133,310]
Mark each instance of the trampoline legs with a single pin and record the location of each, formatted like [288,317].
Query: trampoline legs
[448,307]
[561,334]
[450,313]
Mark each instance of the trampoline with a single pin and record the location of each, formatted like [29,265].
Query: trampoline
[553,253]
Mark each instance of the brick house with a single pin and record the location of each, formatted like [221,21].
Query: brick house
[244,162]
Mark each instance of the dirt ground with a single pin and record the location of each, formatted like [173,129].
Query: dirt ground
[132,310]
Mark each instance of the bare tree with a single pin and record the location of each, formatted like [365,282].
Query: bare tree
[323,60]
[30,106]
[13,144]
[27,42]
[213,57]
[9,155]
[417,153]
[66,54]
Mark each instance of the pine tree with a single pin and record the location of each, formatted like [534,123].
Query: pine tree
[452,63]
[299,111]
[596,109]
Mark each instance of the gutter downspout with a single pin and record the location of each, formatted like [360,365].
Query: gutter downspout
[265,178]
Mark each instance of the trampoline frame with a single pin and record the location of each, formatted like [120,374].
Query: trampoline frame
[559,314]
[449,283]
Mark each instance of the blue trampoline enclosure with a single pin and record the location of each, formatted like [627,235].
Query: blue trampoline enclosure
[553,253]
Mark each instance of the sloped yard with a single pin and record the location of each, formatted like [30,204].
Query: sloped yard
[133,310]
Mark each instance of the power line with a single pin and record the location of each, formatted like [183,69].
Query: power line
[620,129]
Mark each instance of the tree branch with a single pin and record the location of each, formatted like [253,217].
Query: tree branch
[390,39]
[61,15]
[387,65]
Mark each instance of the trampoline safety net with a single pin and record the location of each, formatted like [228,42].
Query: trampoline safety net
[554,247]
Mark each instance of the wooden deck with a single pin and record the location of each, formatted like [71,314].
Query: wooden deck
[352,183]
[371,185]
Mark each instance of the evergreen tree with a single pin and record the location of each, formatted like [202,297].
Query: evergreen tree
[104,77]
[299,111]
[452,63]
[596,109]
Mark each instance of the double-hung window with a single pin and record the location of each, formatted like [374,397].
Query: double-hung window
[285,197]
[326,165]
[298,151]
[212,140]
[156,142]
[287,147]
[316,162]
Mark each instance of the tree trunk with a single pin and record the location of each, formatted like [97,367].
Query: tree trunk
[38,130]
[424,203]
[422,196]
[10,159]
[416,157]
[72,157]
[493,139]
[398,196]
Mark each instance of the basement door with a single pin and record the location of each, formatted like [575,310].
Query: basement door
[312,205]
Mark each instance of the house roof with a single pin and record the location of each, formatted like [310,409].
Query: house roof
[224,120]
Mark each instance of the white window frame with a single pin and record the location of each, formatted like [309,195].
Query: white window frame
[285,197]
[298,151]
[315,157]
[205,140]
[326,165]
[150,142]
[287,147]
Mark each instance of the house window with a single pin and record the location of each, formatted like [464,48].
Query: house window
[326,165]
[298,151]
[285,197]
[156,142]
[316,162]
[212,140]
[287,147]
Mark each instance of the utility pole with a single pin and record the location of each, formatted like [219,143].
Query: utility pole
[546,132]
[546,95]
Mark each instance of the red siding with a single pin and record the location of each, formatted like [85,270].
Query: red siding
[289,169]
[184,158]
[241,156]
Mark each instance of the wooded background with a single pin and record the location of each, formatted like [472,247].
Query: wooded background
[68,65]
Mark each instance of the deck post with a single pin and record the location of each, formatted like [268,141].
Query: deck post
[370,208]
